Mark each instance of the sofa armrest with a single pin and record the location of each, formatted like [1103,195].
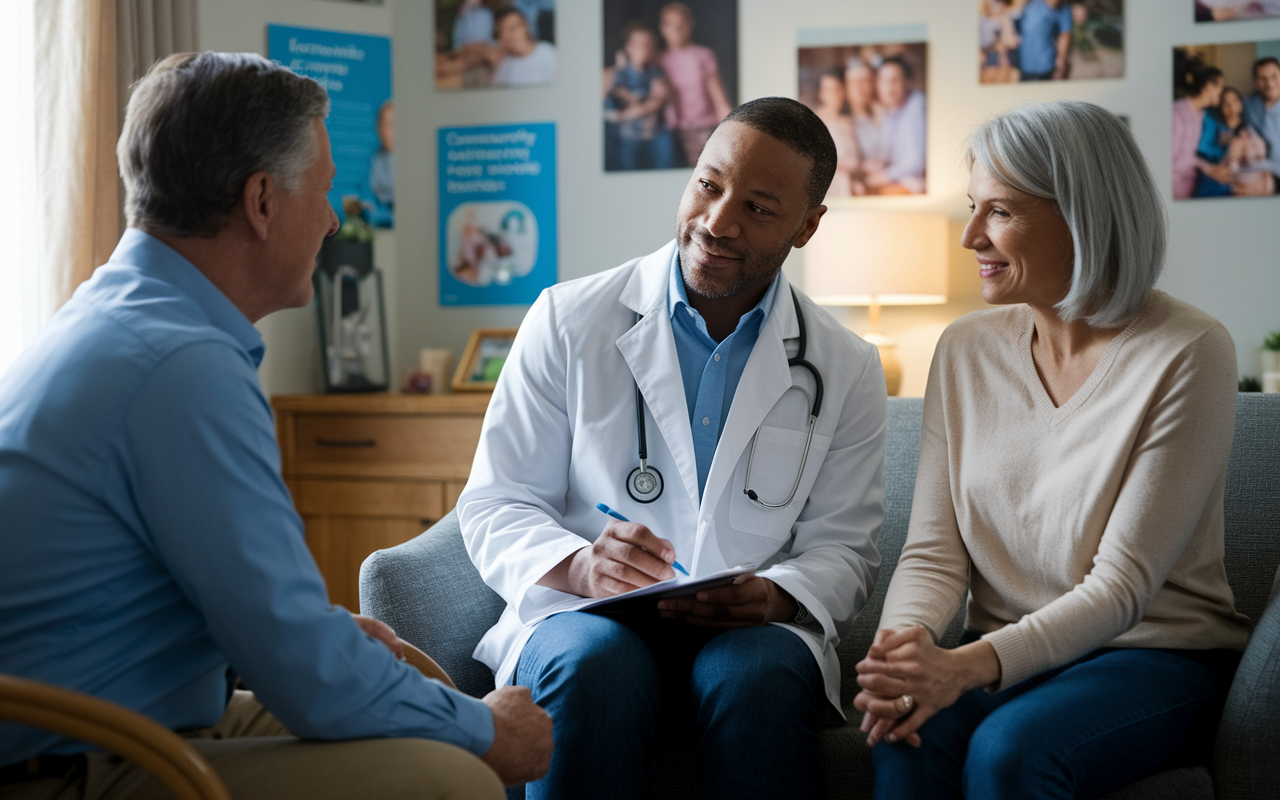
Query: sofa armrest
[1248,745]
[429,591]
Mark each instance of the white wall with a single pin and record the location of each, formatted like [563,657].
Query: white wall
[1222,252]
[292,363]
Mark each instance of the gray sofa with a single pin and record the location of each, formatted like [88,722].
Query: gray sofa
[430,593]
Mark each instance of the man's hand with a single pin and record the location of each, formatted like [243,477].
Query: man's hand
[627,556]
[749,600]
[521,750]
[382,632]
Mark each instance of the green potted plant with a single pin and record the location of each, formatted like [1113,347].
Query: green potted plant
[1271,353]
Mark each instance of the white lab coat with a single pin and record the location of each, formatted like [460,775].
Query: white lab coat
[560,436]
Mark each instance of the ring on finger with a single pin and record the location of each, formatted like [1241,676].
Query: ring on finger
[908,703]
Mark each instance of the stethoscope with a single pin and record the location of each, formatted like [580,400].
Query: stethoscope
[645,483]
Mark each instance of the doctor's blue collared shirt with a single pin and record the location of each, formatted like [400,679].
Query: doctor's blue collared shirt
[148,540]
[710,370]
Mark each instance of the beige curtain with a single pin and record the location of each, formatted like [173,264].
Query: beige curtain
[147,31]
[88,52]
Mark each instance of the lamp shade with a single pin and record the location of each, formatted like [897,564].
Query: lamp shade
[860,259]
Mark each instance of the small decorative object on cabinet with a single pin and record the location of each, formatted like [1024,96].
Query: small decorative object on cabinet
[353,328]
[369,471]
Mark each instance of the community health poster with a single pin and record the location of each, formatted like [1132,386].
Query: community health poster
[497,213]
[355,69]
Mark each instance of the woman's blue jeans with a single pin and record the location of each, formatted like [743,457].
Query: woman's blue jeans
[752,696]
[1082,730]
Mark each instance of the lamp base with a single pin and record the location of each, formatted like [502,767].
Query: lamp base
[888,360]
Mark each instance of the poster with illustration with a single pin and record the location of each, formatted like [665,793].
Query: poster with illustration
[1050,40]
[870,87]
[1224,10]
[497,213]
[1226,100]
[483,43]
[670,76]
[355,69]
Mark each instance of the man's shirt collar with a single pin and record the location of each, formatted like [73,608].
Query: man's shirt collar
[152,256]
[678,297]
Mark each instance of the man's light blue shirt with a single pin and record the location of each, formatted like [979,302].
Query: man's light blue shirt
[1040,28]
[710,369]
[149,542]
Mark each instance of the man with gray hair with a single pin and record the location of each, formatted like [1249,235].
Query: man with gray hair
[151,549]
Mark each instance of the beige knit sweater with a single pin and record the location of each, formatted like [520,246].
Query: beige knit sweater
[1095,524]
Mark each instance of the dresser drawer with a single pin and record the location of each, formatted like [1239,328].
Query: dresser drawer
[420,500]
[431,446]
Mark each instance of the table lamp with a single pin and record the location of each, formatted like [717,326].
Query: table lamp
[878,259]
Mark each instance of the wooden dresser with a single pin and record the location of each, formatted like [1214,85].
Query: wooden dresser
[369,471]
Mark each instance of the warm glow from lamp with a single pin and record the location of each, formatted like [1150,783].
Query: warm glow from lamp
[876,259]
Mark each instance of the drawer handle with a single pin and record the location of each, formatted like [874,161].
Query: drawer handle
[427,522]
[346,442]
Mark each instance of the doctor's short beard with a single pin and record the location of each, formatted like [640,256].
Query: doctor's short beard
[754,270]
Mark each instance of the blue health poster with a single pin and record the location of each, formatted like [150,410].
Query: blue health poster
[355,69]
[497,213]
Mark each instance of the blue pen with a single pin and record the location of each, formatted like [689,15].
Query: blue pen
[618,516]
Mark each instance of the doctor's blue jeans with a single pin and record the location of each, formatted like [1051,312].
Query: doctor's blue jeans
[1083,730]
[751,696]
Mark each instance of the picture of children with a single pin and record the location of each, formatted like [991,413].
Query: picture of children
[495,43]
[669,77]
[698,101]
[1050,40]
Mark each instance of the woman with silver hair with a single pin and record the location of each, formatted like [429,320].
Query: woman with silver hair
[1072,465]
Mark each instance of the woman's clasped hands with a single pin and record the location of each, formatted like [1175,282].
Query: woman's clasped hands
[906,679]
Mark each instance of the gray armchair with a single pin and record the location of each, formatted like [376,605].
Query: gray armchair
[430,593]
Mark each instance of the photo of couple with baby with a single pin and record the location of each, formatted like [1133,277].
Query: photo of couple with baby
[1226,120]
[670,76]
[872,99]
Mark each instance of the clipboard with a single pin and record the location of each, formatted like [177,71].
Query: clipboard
[679,586]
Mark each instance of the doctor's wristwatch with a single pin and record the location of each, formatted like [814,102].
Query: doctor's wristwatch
[803,617]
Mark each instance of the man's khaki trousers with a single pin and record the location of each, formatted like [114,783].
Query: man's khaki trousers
[258,759]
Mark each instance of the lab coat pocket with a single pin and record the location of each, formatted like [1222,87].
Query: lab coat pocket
[779,460]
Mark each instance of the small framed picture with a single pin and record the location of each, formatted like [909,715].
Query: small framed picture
[486,353]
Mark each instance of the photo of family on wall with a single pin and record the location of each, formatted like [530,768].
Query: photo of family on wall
[1223,10]
[1226,120]
[670,75]
[495,43]
[1050,40]
[872,99]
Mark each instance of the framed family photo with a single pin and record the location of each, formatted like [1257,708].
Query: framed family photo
[482,360]
[670,74]
[1050,40]
[873,99]
[503,43]
[1226,120]
[1224,10]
